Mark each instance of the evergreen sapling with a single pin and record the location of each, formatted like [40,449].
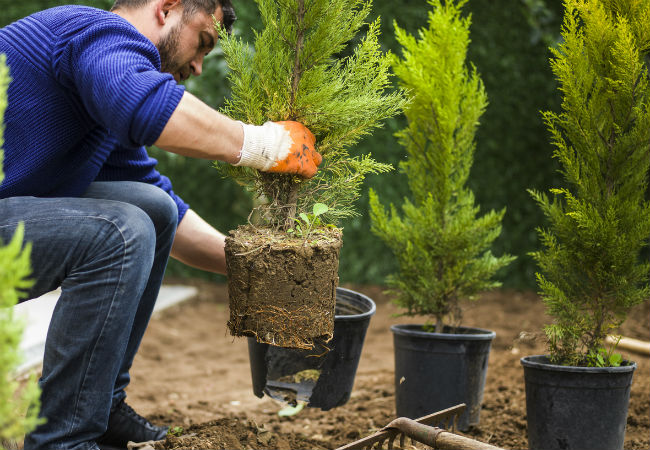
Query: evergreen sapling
[591,271]
[294,72]
[283,273]
[441,245]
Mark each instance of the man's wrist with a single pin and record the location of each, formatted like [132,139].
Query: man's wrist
[263,146]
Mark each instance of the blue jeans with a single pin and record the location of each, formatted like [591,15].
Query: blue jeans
[107,251]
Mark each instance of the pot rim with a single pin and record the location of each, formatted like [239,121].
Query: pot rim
[364,298]
[538,362]
[479,334]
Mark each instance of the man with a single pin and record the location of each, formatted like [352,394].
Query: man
[89,89]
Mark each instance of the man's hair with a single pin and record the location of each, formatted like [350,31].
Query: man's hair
[190,7]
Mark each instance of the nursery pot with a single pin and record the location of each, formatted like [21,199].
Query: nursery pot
[576,408]
[434,371]
[322,377]
[282,288]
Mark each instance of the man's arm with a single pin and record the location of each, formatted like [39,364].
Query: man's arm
[198,131]
[199,245]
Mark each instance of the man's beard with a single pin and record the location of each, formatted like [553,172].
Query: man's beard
[168,49]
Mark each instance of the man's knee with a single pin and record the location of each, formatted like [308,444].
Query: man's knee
[130,227]
[166,208]
[78,238]
[155,202]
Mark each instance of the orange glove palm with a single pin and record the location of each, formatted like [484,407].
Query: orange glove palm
[302,158]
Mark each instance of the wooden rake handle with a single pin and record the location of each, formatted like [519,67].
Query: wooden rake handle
[437,438]
[633,345]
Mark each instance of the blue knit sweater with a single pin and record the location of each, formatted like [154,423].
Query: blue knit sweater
[86,96]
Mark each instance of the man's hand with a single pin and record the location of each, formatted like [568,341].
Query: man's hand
[302,158]
[280,147]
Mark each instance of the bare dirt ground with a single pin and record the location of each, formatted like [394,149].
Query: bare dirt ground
[190,373]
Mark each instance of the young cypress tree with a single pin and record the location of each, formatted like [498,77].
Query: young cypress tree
[283,275]
[294,72]
[591,272]
[442,247]
[14,270]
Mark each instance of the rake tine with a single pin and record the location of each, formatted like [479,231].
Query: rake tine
[390,441]
[377,440]
[445,414]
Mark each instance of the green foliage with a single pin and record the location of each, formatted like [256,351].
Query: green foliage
[509,47]
[603,358]
[292,73]
[442,247]
[12,11]
[309,223]
[637,15]
[175,431]
[18,406]
[540,18]
[14,269]
[591,272]
[512,152]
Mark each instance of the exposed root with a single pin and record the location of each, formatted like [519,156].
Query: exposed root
[281,327]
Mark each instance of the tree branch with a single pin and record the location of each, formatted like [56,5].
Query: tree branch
[300,38]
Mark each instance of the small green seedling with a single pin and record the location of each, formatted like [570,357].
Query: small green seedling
[175,431]
[603,358]
[292,410]
[308,222]
[429,327]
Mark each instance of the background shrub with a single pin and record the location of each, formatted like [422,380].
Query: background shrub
[509,47]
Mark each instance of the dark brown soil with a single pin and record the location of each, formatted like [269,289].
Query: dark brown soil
[190,373]
[235,433]
[282,289]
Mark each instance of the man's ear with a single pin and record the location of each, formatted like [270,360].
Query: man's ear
[163,7]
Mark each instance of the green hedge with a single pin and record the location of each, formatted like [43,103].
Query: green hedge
[509,48]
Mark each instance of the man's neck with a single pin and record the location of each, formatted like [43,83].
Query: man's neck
[141,19]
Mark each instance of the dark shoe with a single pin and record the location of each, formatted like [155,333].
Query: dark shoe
[124,425]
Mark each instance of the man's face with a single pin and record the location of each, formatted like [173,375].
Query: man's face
[186,43]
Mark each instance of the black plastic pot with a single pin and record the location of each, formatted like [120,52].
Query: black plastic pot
[576,408]
[273,369]
[434,371]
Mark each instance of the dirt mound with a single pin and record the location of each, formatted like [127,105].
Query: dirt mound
[191,373]
[234,433]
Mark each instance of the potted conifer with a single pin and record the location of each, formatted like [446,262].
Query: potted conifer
[591,272]
[18,407]
[441,245]
[283,269]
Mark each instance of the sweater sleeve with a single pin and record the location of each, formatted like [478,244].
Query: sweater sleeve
[135,164]
[115,71]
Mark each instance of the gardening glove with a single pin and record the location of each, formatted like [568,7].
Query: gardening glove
[281,147]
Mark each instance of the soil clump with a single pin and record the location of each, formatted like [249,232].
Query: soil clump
[282,287]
